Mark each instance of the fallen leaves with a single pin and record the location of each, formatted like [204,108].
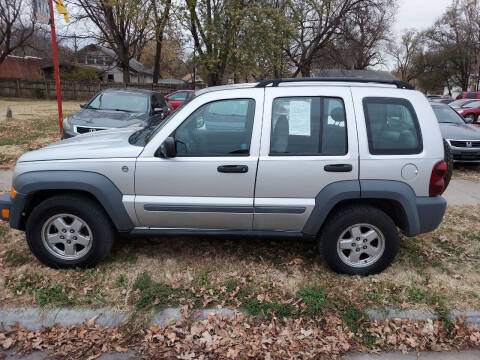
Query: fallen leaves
[242,337]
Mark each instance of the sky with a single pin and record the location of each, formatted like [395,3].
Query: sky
[419,14]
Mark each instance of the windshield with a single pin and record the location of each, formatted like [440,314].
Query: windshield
[472,104]
[120,101]
[459,103]
[143,136]
[445,114]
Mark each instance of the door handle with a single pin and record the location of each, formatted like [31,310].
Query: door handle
[338,168]
[233,169]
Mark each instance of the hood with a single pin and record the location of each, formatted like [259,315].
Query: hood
[460,131]
[106,118]
[97,145]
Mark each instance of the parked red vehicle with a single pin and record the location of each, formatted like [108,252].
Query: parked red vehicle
[178,97]
[470,111]
[469,95]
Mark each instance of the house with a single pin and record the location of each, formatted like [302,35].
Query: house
[105,61]
[27,67]
[198,80]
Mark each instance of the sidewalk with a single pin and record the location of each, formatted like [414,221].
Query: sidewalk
[451,355]
[459,192]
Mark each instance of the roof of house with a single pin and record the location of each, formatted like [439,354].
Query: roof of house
[134,64]
[189,77]
[21,67]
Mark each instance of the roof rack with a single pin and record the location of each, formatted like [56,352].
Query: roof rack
[398,83]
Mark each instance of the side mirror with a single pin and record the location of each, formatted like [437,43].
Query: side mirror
[468,120]
[83,105]
[167,149]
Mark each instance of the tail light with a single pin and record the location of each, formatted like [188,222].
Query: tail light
[437,184]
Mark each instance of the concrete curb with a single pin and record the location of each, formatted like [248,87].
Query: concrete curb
[472,317]
[35,318]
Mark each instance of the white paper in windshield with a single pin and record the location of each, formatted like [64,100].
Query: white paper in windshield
[299,118]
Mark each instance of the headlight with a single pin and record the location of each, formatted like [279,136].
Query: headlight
[66,124]
[136,124]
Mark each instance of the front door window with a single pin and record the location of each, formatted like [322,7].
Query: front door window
[219,128]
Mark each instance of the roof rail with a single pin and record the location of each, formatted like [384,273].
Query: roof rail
[398,83]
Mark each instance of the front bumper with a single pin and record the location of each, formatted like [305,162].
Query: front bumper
[66,134]
[466,155]
[5,204]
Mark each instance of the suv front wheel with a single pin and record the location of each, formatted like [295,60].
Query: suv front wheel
[359,240]
[69,231]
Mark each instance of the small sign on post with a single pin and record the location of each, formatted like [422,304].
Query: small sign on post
[41,9]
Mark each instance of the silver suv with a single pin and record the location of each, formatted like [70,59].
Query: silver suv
[345,161]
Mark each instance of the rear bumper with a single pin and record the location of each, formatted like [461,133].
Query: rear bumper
[5,204]
[430,212]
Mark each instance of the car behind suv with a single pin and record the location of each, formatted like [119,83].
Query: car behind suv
[117,108]
[345,161]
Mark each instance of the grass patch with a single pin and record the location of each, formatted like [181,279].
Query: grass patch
[314,300]
[16,258]
[153,294]
[415,294]
[52,294]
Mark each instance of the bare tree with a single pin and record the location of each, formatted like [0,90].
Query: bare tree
[17,25]
[404,54]
[123,25]
[161,16]
[316,22]
[364,36]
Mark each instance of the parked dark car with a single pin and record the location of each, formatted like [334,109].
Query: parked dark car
[463,138]
[178,97]
[117,108]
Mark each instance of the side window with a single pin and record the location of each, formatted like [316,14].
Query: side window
[471,95]
[180,96]
[219,128]
[392,126]
[308,126]
[160,100]
[154,102]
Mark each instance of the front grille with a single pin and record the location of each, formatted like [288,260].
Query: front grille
[84,129]
[465,143]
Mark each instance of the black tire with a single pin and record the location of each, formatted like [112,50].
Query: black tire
[345,217]
[102,230]
[449,160]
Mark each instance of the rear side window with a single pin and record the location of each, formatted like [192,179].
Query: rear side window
[472,95]
[308,126]
[392,126]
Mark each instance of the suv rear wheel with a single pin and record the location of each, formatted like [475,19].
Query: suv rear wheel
[69,231]
[359,240]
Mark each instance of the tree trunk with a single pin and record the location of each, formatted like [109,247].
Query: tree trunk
[305,70]
[126,75]
[158,57]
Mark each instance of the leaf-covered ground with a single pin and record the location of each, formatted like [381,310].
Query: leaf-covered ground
[34,124]
[437,271]
[243,338]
